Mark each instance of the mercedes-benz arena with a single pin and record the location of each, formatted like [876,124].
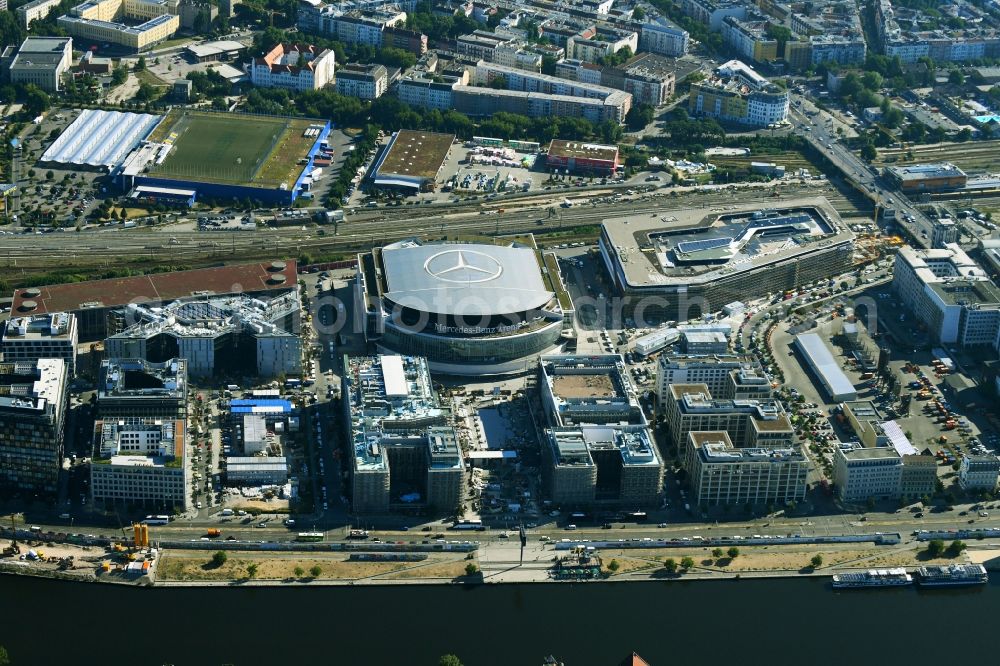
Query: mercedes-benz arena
[470,309]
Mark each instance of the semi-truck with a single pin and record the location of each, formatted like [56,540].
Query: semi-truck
[214,532]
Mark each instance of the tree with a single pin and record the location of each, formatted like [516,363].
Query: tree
[733,552]
[299,571]
[140,64]
[955,77]
[670,564]
[4,657]
[252,570]
[686,563]
[956,547]
[613,566]
[868,152]
[717,553]
[202,21]
[639,116]
[816,561]
[639,14]
[449,660]
[36,101]
[935,548]
[471,569]
[118,75]
[315,570]
[219,558]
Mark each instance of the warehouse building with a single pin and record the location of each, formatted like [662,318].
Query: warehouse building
[819,359]
[404,454]
[140,461]
[32,422]
[722,474]
[917,178]
[595,390]
[99,140]
[602,466]
[411,161]
[41,336]
[689,262]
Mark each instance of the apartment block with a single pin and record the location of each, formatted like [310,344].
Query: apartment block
[34,337]
[712,12]
[720,473]
[499,47]
[664,38]
[427,93]
[293,67]
[649,78]
[601,42]
[739,95]
[140,461]
[362,81]
[32,422]
[979,473]
[750,39]
[36,9]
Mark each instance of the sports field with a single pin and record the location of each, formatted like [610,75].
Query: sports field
[233,149]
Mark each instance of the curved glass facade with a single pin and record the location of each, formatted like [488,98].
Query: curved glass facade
[487,350]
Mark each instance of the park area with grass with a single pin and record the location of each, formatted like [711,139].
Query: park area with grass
[233,149]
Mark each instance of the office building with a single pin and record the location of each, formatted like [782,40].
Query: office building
[736,94]
[720,473]
[950,294]
[137,388]
[403,453]
[293,67]
[727,376]
[235,335]
[32,422]
[587,389]
[362,81]
[664,38]
[42,61]
[863,473]
[750,423]
[704,342]
[979,473]
[41,336]
[140,460]
[602,465]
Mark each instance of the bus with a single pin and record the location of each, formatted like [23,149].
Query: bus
[309,536]
[157,520]
[357,534]
[637,516]
[468,525]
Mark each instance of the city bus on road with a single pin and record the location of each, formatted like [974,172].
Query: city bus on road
[157,520]
[468,525]
[309,536]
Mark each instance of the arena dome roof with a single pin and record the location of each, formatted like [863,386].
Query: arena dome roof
[464,279]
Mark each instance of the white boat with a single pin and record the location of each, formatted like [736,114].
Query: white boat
[872,578]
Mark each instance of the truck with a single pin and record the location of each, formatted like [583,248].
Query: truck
[213,532]
[226,512]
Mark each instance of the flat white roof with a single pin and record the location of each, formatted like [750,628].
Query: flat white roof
[898,439]
[100,138]
[826,367]
[393,376]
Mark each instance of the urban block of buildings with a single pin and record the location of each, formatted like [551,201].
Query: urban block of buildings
[722,474]
[736,94]
[664,38]
[383,26]
[950,294]
[32,423]
[31,338]
[136,388]
[862,473]
[293,67]
[901,34]
[134,24]
[593,390]
[35,10]
[727,376]
[235,335]
[918,178]
[648,77]
[826,32]
[402,451]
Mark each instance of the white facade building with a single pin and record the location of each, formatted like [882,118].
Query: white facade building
[42,336]
[293,67]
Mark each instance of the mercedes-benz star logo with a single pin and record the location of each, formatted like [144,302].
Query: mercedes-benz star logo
[463,266]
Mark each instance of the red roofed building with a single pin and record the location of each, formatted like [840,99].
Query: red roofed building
[293,66]
[92,301]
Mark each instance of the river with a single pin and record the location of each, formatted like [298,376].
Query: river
[765,622]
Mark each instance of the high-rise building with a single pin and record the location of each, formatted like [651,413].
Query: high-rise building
[32,420]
